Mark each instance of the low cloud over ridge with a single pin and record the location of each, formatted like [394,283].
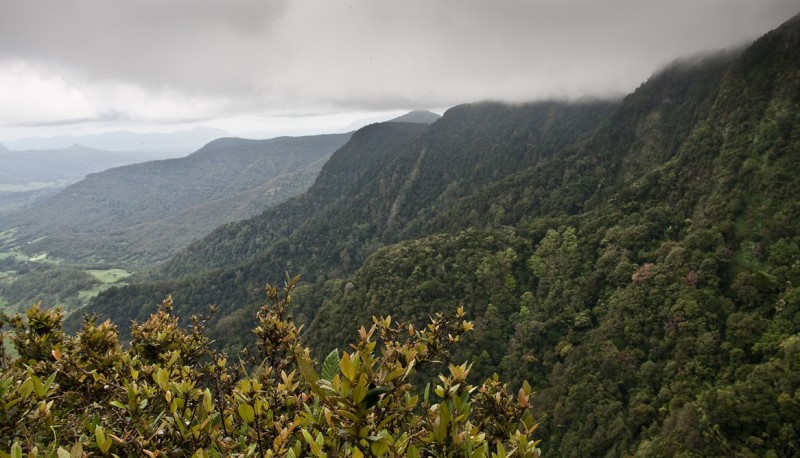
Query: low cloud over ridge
[167,62]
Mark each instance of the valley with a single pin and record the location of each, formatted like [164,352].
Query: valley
[26,280]
[97,232]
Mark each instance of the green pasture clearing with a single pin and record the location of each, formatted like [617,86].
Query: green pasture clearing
[108,276]
[41,257]
[22,257]
[87,294]
[8,234]
[14,254]
[31,186]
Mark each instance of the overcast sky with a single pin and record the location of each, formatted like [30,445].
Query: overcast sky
[263,67]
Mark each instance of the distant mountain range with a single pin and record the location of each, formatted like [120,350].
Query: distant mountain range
[31,175]
[173,143]
[121,217]
[64,165]
[144,212]
[416,116]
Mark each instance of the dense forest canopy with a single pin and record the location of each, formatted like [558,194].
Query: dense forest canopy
[637,262]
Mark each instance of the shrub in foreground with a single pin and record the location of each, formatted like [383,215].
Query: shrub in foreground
[169,394]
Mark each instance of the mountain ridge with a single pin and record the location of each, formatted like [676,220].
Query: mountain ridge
[71,163]
[174,143]
[418,116]
[105,212]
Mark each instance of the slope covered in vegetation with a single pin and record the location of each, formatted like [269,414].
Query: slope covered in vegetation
[168,394]
[638,263]
[143,213]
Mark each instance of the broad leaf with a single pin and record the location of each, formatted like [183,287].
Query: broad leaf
[331,365]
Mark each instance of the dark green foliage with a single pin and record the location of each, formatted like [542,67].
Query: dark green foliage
[336,202]
[43,283]
[168,394]
[640,267]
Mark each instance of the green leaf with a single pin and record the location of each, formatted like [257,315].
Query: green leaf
[76,451]
[360,389]
[207,401]
[162,379]
[347,367]
[16,450]
[103,442]
[26,388]
[312,444]
[480,452]
[49,382]
[309,375]
[118,404]
[441,423]
[38,388]
[62,453]
[173,358]
[347,414]
[501,451]
[247,413]
[331,365]
[99,434]
[380,447]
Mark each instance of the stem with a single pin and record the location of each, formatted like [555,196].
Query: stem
[258,431]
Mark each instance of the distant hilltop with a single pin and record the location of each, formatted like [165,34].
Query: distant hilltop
[418,116]
[186,141]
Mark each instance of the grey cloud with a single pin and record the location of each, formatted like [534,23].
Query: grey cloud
[199,45]
[365,54]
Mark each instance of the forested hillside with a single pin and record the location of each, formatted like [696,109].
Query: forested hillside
[33,174]
[637,262]
[139,214]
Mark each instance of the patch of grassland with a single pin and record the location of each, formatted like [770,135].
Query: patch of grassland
[109,276]
[8,234]
[41,257]
[14,254]
[87,294]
